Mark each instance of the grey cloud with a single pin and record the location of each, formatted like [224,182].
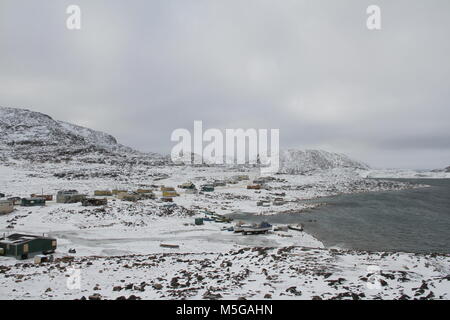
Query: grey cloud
[140,69]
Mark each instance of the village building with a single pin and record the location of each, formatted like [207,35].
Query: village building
[207,188]
[32,202]
[254,187]
[263,203]
[279,202]
[187,185]
[128,196]
[15,200]
[103,193]
[23,246]
[147,196]
[135,196]
[171,193]
[144,191]
[6,206]
[69,196]
[262,180]
[166,199]
[219,183]
[47,197]
[163,188]
[115,192]
[241,177]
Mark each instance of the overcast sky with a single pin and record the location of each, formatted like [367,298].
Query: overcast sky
[140,69]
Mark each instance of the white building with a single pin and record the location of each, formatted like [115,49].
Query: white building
[6,206]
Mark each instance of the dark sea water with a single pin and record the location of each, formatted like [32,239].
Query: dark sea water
[411,220]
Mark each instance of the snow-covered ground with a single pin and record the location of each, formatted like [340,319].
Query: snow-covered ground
[118,245]
[250,273]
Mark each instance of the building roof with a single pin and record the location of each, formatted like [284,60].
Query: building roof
[18,238]
[67,192]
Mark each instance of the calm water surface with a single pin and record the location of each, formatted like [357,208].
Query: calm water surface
[411,220]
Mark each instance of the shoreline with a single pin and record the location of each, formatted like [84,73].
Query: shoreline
[122,242]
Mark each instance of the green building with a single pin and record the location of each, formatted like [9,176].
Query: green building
[32,202]
[22,246]
[207,188]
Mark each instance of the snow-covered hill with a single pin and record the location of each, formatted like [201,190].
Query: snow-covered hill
[295,161]
[405,174]
[34,136]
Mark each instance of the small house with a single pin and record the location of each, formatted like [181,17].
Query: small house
[15,200]
[144,191]
[6,206]
[198,221]
[254,187]
[260,180]
[170,193]
[279,202]
[146,195]
[47,197]
[103,193]
[93,202]
[166,199]
[21,246]
[241,177]
[69,196]
[32,202]
[187,185]
[207,188]
[115,192]
[219,183]
[128,196]
[163,188]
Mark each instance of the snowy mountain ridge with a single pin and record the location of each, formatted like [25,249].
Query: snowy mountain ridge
[21,126]
[35,136]
[294,161]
